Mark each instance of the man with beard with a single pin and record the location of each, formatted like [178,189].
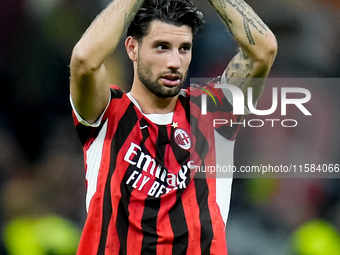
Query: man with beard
[142,197]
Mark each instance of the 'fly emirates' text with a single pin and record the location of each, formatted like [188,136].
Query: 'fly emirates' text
[149,170]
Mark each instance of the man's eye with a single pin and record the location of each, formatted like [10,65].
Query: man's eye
[161,47]
[185,48]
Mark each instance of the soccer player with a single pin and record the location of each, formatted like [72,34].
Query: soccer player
[142,195]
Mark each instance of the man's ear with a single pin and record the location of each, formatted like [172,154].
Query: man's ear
[131,46]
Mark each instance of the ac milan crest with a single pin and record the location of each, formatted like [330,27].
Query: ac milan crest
[182,139]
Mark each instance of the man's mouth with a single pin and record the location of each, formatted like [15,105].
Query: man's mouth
[171,80]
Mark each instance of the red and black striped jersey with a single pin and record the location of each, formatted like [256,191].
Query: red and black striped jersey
[143,196]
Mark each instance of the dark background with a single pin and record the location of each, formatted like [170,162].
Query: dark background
[41,160]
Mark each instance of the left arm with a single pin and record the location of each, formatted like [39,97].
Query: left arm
[258,45]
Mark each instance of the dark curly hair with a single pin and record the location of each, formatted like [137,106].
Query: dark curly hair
[175,12]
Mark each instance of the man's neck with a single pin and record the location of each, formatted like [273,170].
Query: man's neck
[150,103]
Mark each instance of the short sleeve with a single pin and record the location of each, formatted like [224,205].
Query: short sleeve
[84,122]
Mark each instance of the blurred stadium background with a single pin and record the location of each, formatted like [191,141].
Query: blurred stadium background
[42,189]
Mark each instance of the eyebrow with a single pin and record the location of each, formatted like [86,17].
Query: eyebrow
[189,44]
[158,42]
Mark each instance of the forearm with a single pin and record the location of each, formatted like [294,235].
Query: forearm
[103,35]
[247,28]
[89,83]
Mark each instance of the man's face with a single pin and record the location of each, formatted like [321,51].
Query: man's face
[164,55]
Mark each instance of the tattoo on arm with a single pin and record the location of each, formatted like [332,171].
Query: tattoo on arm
[231,27]
[250,18]
[222,2]
[239,70]
[248,31]
[245,10]
[241,75]
[129,16]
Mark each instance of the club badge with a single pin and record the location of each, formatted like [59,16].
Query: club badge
[182,138]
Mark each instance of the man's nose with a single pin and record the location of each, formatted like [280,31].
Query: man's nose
[174,61]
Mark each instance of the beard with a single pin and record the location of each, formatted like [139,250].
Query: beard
[145,76]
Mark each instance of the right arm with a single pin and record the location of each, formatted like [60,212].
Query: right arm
[89,83]
[258,46]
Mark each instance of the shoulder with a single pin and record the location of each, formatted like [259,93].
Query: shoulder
[183,97]
[116,92]
[184,93]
